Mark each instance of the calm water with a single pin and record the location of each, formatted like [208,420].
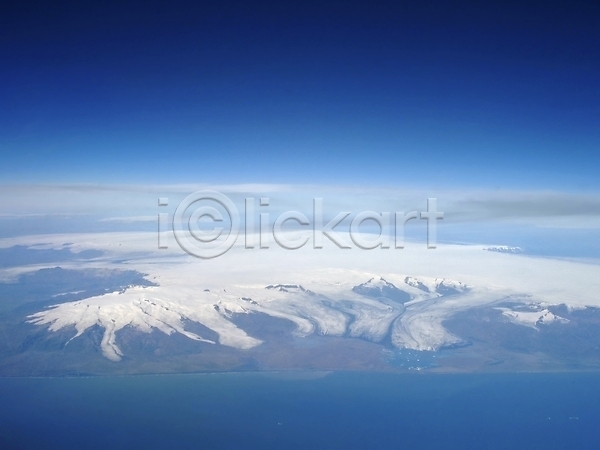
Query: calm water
[337,411]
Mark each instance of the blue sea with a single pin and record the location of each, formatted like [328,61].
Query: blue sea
[302,411]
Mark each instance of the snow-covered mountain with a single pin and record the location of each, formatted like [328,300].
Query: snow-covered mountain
[289,288]
[449,287]
[413,282]
[504,249]
[378,287]
[532,318]
[371,310]
[402,300]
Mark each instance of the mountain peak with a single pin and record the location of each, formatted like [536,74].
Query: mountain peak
[378,287]
[413,282]
[289,288]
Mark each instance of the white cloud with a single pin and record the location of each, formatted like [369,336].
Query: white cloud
[537,208]
[130,219]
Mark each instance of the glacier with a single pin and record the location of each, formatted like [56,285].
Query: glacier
[404,295]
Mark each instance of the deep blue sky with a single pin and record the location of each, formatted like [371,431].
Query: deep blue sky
[344,92]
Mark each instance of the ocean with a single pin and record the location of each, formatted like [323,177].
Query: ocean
[313,410]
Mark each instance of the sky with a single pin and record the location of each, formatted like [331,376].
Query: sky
[462,95]
[491,109]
